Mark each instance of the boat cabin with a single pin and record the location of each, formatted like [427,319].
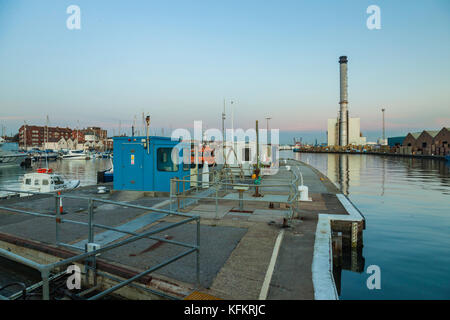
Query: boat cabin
[44,180]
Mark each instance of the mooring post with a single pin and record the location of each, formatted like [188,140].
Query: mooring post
[354,234]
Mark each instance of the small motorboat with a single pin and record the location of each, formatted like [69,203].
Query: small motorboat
[10,158]
[45,180]
[75,155]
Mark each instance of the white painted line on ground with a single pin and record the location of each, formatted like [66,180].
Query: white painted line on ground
[269,273]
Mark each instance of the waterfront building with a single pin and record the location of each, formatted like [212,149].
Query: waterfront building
[354,132]
[441,142]
[425,141]
[36,136]
[57,138]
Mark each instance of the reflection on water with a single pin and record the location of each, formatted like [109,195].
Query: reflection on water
[406,204]
[83,170]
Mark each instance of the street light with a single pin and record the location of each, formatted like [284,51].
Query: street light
[268,118]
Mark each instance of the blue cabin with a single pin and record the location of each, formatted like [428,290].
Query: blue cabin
[149,168]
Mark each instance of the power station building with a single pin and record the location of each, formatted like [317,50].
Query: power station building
[344,131]
[353,129]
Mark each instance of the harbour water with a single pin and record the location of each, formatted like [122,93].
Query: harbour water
[83,170]
[406,203]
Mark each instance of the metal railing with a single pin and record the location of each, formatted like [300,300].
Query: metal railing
[217,185]
[90,257]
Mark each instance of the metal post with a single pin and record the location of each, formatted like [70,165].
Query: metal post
[45,285]
[257,145]
[241,200]
[171,193]
[58,217]
[217,199]
[198,253]
[90,237]
[91,220]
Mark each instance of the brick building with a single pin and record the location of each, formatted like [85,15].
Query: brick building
[441,142]
[35,136]
[424,143]
[31,136]
[427,142]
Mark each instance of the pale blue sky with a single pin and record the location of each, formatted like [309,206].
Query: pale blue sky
[178,60]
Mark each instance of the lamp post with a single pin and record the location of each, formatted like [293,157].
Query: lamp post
[267,119]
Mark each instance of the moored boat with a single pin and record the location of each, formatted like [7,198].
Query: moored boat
[45,180]
[75,155]
[11,158]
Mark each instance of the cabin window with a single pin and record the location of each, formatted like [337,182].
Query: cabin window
[36,182]
[28,181]
[45,182]
[164,160]
[57,180]
[424,145]
[246,154]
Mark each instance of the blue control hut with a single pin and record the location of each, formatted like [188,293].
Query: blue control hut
[143,164]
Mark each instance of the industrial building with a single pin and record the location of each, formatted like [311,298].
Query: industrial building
[354,132]
[427,142]
[344,131]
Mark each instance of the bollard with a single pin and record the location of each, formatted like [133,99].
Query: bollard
[61,210]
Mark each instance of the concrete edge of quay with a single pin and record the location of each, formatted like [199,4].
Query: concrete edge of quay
[322,266]
[416,156]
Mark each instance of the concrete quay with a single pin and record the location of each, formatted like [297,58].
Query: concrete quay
[246,252]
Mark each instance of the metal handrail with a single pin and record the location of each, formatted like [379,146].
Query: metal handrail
[292,198]
[45,269]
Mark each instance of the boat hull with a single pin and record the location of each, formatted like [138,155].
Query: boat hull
[11,160]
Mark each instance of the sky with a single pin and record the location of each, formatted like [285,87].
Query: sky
[179,60]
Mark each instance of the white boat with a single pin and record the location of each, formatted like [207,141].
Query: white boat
[75,155]
[10,158]
[45,180]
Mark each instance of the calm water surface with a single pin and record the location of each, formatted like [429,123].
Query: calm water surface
[406,203]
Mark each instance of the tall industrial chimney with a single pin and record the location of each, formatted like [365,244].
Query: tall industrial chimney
[343,113]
